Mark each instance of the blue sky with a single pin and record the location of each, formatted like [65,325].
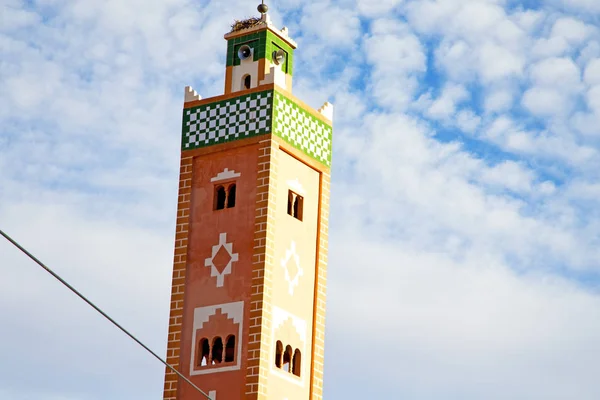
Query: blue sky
[466,184]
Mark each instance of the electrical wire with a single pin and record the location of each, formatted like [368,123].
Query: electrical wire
[65,283]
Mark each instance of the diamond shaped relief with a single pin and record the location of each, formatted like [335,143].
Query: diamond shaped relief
[292,267]
[221,260]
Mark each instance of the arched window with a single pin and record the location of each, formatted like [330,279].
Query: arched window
[247,81]
[217,351]
[220,196]
[287,359]
[278,353]
[297,363]
[231,196]
[203,352]
[230,349]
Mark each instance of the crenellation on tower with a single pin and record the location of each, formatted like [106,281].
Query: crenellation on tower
[249,278]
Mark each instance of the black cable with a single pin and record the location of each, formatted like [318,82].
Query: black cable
[41,264]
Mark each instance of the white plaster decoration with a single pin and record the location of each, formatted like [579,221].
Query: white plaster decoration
[280,316]
[212,394]
[285,31]
[296,187]
[276,76]
[233,311]
[266,18]
[292,256]
[191,95]
[233,257]
[327,110]
[225,175]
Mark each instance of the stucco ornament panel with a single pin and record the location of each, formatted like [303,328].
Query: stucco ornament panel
[293,269]
[232,257]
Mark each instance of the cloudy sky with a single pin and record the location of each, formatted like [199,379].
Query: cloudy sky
[465,231]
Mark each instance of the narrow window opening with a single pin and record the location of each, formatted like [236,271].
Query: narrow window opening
[220,197]
[295,205]
[217,351]
[247,81]
[204,350]
[297,363]
[231,196]
[230,349]
[298,206]
[290,205]
[287,359]
[278,353]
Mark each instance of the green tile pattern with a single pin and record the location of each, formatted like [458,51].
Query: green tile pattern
[257,114]
[264,44]
[301,129]
[224,121]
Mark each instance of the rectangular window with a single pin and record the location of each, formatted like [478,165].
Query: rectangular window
[295,205]
[224,196]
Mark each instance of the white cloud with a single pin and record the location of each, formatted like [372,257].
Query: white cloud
[371,9]
[468,121]
[395,72]
[557,72]
[592,72]
[571,29]
[318,21]
[444,107]
[499,100]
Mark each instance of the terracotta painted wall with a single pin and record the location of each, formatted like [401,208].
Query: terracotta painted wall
[219,305]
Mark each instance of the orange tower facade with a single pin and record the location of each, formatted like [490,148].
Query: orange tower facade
[248,295]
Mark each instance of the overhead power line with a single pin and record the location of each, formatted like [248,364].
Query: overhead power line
[82,297]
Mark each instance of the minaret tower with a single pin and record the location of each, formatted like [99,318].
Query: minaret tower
[248,296]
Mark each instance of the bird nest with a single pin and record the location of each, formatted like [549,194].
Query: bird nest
[245,24]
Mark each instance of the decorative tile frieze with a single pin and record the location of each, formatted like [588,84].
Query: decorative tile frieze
[220,122]
[257,114]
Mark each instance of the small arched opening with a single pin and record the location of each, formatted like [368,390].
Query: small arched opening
[203,352]
[278,353]
[220,197]
[230,349]
[247,82]
[287,359]
[297,363]
[217,351]
[231,196]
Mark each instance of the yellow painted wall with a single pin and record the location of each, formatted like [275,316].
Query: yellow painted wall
[293,305]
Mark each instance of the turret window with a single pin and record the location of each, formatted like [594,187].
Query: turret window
[289,360]
[225,196]
[295,205]
[247,82]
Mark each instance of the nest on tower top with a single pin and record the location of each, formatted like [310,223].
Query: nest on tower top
[245,24]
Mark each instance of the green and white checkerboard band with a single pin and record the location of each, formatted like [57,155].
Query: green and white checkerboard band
[237,118]
[302,130]
[257,114]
